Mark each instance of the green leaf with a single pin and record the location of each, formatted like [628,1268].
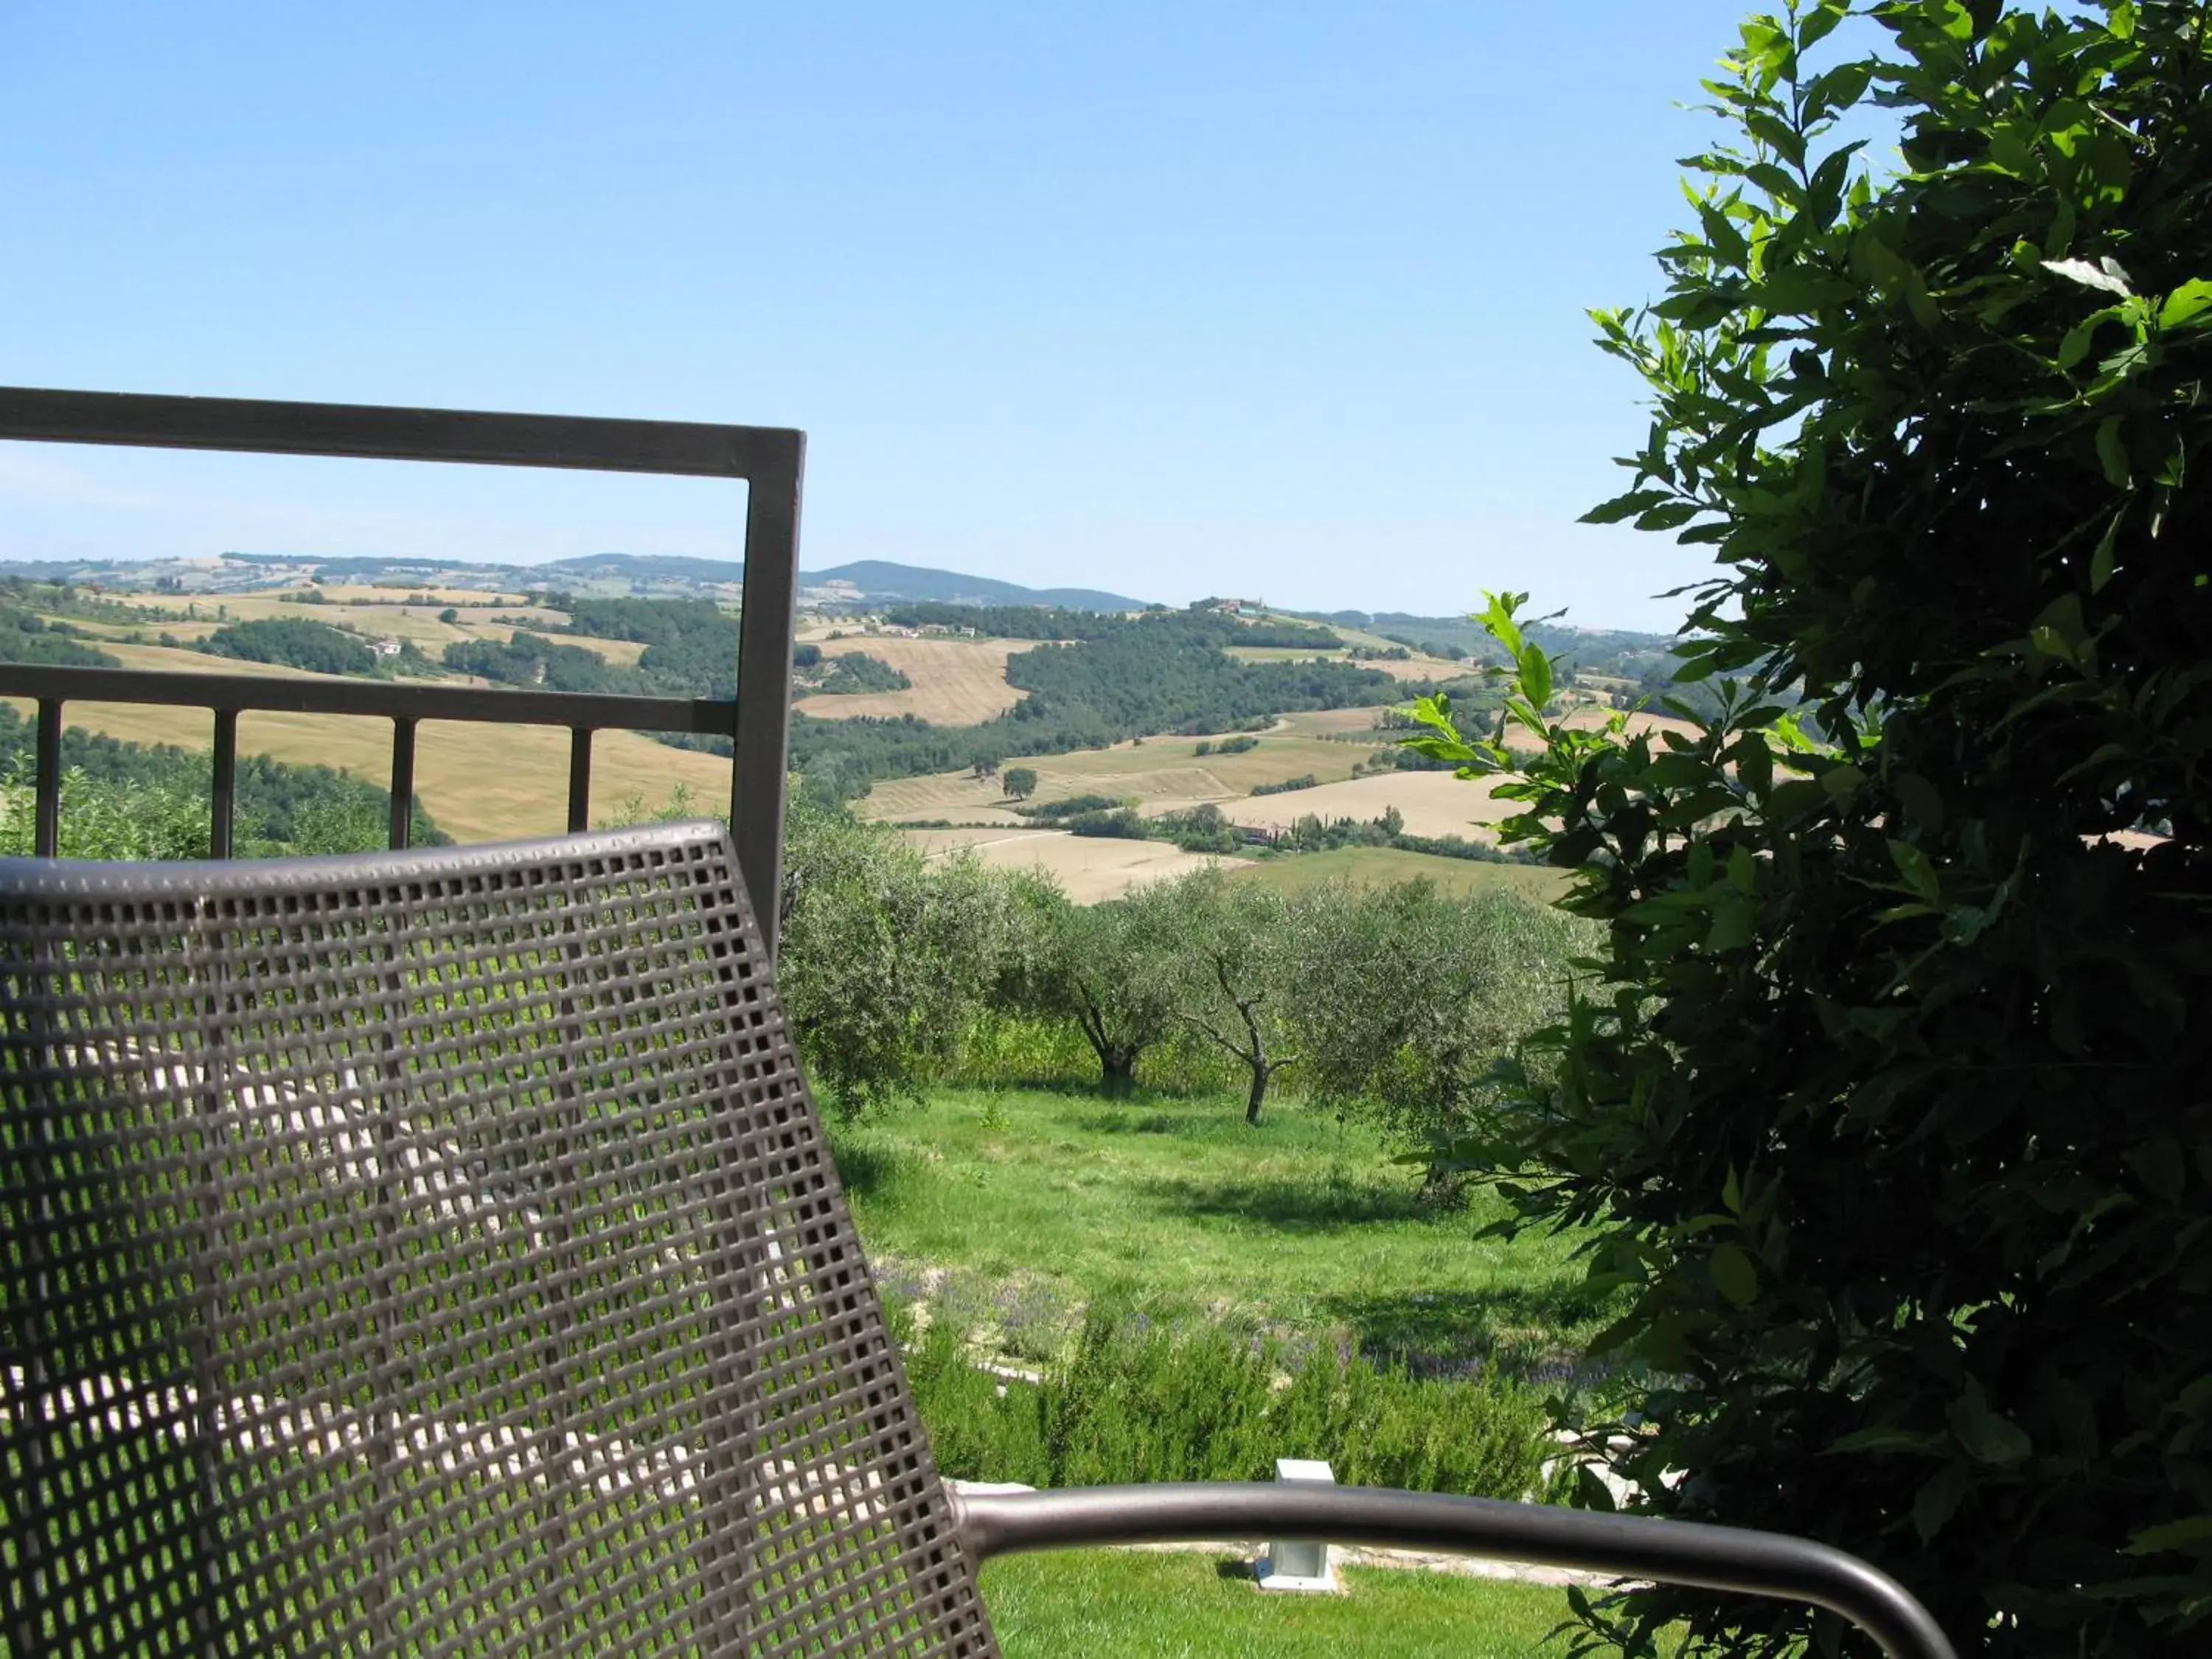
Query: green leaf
[1626,507]
[2108,277]
[2170,1535]
[1735,1274]
[1987,1436]
[1536,676]
[2100,561]
[1887,1440]
[1938,1499]
[1919,875]
[2187,302]
[1669,516]
[2113,452]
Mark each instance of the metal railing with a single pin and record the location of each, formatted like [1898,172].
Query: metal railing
[771,460]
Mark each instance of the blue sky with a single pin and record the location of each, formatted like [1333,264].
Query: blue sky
[1274,299]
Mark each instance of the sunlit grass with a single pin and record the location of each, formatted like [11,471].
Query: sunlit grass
[1145,1604]
[1038,1202]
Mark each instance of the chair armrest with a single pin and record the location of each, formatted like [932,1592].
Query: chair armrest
[1619,1546]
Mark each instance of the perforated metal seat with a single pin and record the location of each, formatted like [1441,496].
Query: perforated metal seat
[439,1253]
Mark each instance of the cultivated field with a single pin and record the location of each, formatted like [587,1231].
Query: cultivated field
[955,682]
[1160,774]
[1089,868]
[1433,803]
[1387,867]
[480,782]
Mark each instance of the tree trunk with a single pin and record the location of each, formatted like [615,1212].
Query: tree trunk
[1260,1072]
[1118,1069]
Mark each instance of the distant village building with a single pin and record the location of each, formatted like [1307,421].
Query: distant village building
[1238,607]
[385,647]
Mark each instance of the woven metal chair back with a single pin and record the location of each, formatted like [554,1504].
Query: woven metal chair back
[437,1253]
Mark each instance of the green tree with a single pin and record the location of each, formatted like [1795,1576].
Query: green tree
[1407,1000]
[1019,782]
[1117,971]
[887,960]
[1886,1099]
[1240,968]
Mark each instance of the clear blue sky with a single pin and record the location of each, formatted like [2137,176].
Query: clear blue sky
[1272,298]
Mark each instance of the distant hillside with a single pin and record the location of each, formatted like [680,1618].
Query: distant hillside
[878,579]
[868,583]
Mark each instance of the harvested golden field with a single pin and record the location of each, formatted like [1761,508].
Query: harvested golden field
[955,682]
[1387,867]
[1433,804]
[1315,721]
[1089,868]
[387,617]
[1160,774]
[480,782]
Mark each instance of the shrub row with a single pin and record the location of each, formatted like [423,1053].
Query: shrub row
[1138,1402]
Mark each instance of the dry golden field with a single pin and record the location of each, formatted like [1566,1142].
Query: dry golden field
[1388,867]
[480,782]
[1433,804]
[1088,868]
[955,682]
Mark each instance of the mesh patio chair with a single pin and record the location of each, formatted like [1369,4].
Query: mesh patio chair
[438,1252]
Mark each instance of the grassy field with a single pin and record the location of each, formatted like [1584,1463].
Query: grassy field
[1023,1206]
[1382,866]
[1184,1605]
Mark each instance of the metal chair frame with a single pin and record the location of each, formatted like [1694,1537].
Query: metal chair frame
[439,1250]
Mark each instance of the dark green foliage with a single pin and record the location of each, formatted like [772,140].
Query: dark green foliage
[1073,807]
[1889,1100]
[1019,782]
[294,641]
[1123,823]
[1164,674]
[26,638]
[856,672]
[1303,780]
[805,656]
[1201,829]
[1125,677]
[1008,621]
[691,645]
[530,660]
[1238,744]
[1137,1402]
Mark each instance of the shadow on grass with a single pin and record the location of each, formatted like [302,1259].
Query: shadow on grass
[1534,1332]
[1312,1206]
[869,1170]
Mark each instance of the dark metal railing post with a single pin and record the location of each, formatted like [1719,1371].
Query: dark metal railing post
[222,811]
[771,460]
[763,715]
[47,828]
[403,781]
[579,778]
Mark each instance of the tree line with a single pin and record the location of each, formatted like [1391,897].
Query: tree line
[1396,1001]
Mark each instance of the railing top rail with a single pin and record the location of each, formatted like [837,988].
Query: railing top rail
[320,695]
[691,449]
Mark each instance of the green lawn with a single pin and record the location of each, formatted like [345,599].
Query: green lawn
[1037,1203]
[1148,1605]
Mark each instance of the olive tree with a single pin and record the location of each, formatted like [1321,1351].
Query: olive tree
[1240,968]
[886,959]
[1116,970]
[1888,1099]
